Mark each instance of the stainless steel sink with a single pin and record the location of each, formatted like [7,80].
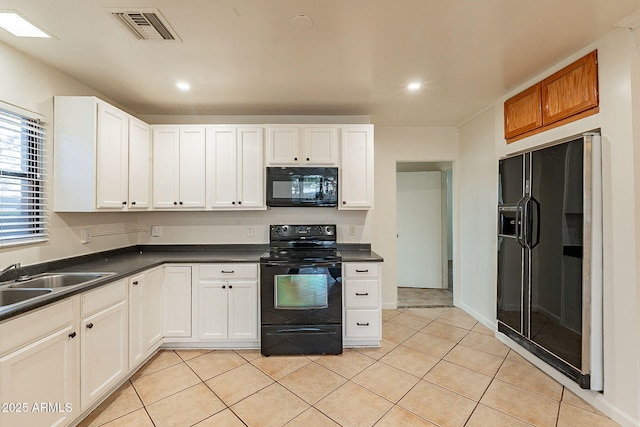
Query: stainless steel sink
[58,280]
[14,296]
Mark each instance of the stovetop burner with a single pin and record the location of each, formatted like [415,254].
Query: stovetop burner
[302,243]
[301,255]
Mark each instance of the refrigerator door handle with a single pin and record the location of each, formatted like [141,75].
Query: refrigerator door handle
[518,230]
[526,222]
[534,202]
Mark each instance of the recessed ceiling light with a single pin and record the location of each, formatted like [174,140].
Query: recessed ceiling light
[301,22]
[184,86]
[19,26]
[414,86]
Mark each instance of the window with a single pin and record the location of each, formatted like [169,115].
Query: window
[23,216]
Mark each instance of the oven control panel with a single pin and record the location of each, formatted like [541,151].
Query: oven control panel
[292,232]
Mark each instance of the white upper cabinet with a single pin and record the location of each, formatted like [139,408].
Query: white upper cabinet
[139,165]
[178,167]
[112,155]
[235,171]
[92,149]
[320,146]
[356,171]
[315,145]
[283,145]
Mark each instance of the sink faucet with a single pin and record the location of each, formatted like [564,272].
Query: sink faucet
[16,266]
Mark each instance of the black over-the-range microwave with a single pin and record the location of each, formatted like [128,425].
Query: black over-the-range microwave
[293,186]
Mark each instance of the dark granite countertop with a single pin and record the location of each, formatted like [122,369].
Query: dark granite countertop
[125,262]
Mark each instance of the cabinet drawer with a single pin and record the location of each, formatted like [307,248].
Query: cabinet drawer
[31,326]
[361,293]
[104,297]
[362,324]
[361,269]
[229,271]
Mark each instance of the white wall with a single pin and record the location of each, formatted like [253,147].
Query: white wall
[477,198]
[392,145]
[31,85]
[616,54]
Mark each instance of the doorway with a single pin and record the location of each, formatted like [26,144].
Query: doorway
[424,234]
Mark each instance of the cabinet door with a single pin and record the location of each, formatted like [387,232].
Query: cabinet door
[137,347]
[571,90]
[112,158]
[103,352]
[177,301]
[356,173]
[139,165]
[222,167]
[283,146]
[153,306]
[523,112]
[320,146]
[250,168]
[192,167]
[165,167]
[45,371]
[243,311]
[212,310]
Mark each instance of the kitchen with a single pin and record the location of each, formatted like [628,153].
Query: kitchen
[474,146]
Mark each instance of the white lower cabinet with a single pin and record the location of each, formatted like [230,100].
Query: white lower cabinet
[104,341]
[227,302]
[145,314]
[39,369]
[177,301]
[137,348]
[362,304]
[153,307]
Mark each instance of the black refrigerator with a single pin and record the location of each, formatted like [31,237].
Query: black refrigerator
[550,255]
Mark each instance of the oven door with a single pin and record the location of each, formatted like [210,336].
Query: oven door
[301,294]
[301,309]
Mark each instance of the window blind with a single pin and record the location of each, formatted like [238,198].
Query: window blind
[23,214]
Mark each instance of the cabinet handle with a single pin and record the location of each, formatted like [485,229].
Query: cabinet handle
[72,334]
[135,283]
[362,271]
[224,287]
[228,271]
[295,158]
[362,295]
[240,202]
[175,203]
[308,159]
[124,203]
[233,203]
[180,203]
[230,287]
[89,325]
[344,202]
[133,203]
[362,324]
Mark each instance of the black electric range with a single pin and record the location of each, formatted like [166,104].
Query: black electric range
[301,291]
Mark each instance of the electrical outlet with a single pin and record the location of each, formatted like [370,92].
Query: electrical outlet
[249,230]
[352,230]
[155,231]
[85,236]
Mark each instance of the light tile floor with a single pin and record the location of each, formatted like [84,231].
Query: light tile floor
[436,367]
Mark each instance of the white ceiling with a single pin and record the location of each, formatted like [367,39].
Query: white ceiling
[243,57]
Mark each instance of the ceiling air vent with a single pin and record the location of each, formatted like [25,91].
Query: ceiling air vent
[147,24]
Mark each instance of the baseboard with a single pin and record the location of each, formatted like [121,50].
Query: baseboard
[489,323]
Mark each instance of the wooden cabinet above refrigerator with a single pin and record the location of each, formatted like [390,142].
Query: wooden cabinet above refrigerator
[567,95]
